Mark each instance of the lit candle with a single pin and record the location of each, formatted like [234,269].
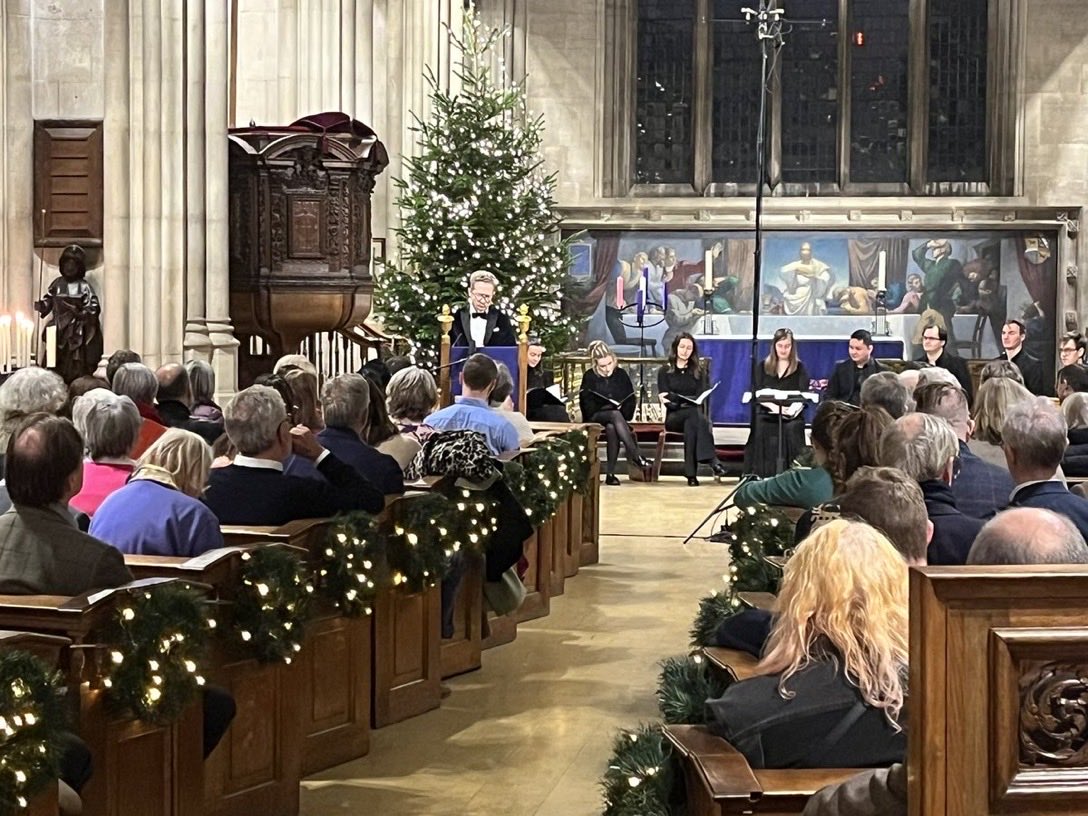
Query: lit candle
[50,346]
[18,327]
[708,271]
[29,351]
[5,342]
[643,288]
[882,271]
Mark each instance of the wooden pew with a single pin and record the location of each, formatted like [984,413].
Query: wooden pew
[998,657]
[732,663]
[719,781]
[462,652]
[139,768]
[258,765]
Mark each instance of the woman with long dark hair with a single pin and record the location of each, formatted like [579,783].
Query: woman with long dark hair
[782,371]
[685,376]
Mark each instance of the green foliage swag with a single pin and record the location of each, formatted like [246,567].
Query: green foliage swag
[638,781]
[542,479]
[31,717]
[713,609]
[475,198]
[684,686]
[159,638]
[273,604]
[351,569]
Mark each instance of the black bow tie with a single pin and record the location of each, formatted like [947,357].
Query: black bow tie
[480,315]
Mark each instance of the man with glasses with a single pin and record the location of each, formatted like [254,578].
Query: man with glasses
[935,353]
[480,323]
[1072,349]
[1013,335]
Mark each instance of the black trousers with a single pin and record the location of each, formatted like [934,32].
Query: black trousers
[616,430]
[698,436]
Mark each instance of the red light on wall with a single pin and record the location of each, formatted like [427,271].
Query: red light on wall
[859,38]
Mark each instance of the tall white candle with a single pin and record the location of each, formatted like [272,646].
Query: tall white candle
[882,271]
[5,342]
[18,329]
[708,271]
[50,346]
[31,342]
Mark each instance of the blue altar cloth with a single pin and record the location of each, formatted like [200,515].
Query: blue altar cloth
[500,354]
[730,364]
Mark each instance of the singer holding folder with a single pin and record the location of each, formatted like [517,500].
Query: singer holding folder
[782,371]
[682,386]
[608,397]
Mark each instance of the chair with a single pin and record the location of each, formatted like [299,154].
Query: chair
[974,345]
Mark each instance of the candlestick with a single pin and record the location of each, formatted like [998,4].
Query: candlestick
[708,271]
[882,270]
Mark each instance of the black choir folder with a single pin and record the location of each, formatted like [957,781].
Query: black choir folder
[539,397]
[609,400]
[699,400]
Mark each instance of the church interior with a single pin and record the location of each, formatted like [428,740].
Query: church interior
[624,407]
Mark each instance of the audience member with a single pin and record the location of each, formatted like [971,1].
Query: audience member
[1034,438]
[1029,535]
[28,391]
[471,411]
[934,352]
[175,398]
[42,552]
[253,489]
[925,449]
[159,511]
[879,792]
[995,398]
[885,390]
[849,375]
[137,382]
[802,487]
[346,405]
[395,364]
[118,359]
[303,387]
[1072,379]
[277,383]
[82,385]
[1072,348]
[934,374]
[375,369]
[502,400]
[1075,411]
[294,361]
[202,382]
[1013,335]
[1000,368]
[412,395]
[839,641]
[379,427]
[909,378]
[109,424]
[982,488]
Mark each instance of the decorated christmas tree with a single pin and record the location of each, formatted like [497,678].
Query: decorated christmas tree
[475,198]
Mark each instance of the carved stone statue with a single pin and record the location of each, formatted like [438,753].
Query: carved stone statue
[73,304]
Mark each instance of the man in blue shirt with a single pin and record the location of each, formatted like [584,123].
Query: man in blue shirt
[471,411]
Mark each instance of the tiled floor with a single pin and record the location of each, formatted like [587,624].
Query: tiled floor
[529,734]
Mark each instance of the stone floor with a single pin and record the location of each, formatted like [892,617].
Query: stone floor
[529,734]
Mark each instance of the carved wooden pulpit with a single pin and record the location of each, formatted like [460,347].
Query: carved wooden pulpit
[300,204]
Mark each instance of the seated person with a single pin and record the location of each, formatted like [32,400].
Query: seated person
[1013,336]
[109,425]
[539,409]
[832,683]
[1071,379]
[995,398]
[925,448]
[411,396]
[802,487]
[253,489]
[307,409]
[118,359]
[42,552]
[137,382]
[345,402]
[502,401]
[159,511]
[884,388]
[849,375]
[202,381]
[1000,368]
[28,391]
[471,412]
[1075,411]
[175,400]
[381,432]
[608,398]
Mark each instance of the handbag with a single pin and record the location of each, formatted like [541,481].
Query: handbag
[507,594]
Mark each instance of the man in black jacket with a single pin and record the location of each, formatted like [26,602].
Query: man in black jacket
[480,323]
[846,379]
[255,490]
[175,400]
[1013,335]
[934,340]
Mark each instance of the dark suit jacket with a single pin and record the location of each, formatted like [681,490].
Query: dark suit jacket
[1032,369]
[377,468]
[176,415]
[500,332]
[958,367]
[43,553]
[259,496]
[1054,496]
[953,532]
[843,386]
[1075,461]
[879,792]
[981,489]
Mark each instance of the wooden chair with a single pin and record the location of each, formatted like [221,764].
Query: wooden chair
[719,781]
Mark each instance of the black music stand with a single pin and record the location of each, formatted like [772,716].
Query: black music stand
[781,399]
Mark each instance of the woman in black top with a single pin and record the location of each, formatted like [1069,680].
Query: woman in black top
[540,407]
[782,371]
[684,375]
[608,397]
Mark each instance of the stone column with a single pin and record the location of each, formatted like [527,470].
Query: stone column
[16,158]
[197,342]
[115,173]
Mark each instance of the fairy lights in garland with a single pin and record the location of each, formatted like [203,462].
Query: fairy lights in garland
[426,532]
[639,775]
[31,718]
[273,603]
[350,568]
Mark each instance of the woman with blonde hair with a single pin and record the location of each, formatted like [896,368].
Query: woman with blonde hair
[608,397]
[159,511]
[832,683]
[992,403]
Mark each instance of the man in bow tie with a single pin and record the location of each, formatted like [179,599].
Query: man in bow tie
[480,323]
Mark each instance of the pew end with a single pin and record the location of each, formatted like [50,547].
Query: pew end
[732,663]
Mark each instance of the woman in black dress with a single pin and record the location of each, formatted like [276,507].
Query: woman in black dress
[608,397]
[540,407]
[684,375]
[781,371]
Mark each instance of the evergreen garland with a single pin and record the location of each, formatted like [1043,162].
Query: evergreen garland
[638,781]
[425,534]
[475,198]
[474,521]
[713,609]
[31,717]
[272,604]
[580,469]
[535,483]
[159,637]
[350,568]
[757,531]
[684,686]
